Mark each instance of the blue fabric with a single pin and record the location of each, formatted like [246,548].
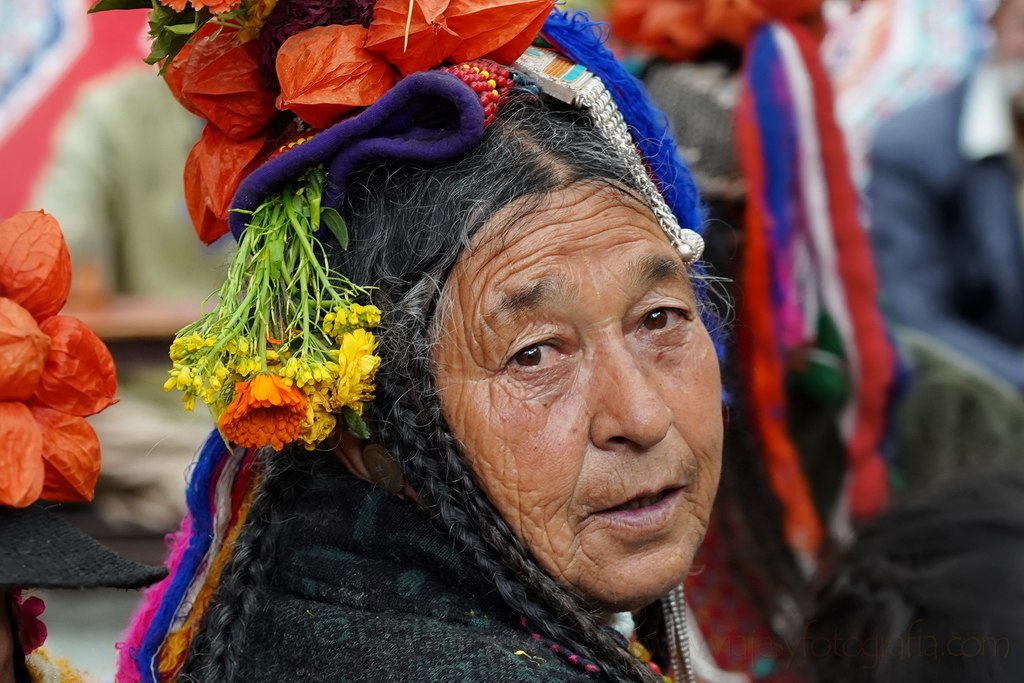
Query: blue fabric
[197,497]
[776,124]
[947,239]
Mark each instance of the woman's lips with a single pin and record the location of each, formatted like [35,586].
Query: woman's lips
[643,512]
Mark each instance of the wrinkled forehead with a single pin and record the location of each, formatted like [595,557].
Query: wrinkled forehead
[588,209]
[597,226]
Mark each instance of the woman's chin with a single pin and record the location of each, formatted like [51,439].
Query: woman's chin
[637,582]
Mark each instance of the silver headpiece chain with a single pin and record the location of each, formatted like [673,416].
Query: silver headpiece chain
[573,84]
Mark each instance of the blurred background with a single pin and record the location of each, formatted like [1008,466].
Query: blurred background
[913,378]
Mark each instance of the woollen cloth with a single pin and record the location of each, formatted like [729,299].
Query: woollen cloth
[365,589]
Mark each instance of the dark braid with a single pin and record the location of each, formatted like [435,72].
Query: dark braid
[213,652]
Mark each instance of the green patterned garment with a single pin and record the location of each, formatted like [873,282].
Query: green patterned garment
[364,589]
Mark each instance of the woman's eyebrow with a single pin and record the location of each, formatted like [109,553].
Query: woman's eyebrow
[526,298]
[655,269]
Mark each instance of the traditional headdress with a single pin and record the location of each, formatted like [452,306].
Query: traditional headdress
[298,96]
[807,279]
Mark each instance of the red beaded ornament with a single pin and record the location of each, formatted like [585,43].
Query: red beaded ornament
[490,80]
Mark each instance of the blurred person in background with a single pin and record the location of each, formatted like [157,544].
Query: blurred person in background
[931,592]
[114,183]
[945,201]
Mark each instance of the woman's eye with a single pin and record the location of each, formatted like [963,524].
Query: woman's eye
[656,319]
[529,357]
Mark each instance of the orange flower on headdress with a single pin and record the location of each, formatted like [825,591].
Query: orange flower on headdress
[325,72]
[430,39]
[54,371]
[265,410]
[217,77]
[496,30]
[455,30]
[214,169]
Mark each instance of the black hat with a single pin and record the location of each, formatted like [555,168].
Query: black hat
[39,549]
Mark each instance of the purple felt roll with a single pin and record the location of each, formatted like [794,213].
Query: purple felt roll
[428,117]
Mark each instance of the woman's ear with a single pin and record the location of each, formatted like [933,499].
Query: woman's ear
[349,450]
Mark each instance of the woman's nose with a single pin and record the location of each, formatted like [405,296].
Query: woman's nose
[628,411]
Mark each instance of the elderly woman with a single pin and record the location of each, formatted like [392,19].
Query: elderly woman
[524,467]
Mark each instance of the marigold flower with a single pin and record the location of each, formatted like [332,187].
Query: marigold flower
[264,411]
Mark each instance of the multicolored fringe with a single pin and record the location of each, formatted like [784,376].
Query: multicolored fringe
[220,491]
[806,256]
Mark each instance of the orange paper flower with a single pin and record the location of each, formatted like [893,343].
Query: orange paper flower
[71,453]
[264,411]
[35,267]
[23,348]
[53,370]
[430,40]
[497,29]
[214,169]
[325,72]
[21,477]
[220,81]
[79,376]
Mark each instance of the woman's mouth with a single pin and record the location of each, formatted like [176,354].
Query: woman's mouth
[645,513]
[638,503]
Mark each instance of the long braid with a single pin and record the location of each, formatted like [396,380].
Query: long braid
[413,427]
[214,652]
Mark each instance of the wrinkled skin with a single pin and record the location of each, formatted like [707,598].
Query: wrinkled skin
[575,372]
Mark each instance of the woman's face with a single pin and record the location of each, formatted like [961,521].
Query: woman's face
[576,373]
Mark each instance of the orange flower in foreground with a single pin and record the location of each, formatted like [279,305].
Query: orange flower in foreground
[35,267]
[264,411]
[498,29]
[54,371]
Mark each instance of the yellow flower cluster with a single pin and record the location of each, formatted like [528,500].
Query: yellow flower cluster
[344,319]
[201,371]
[343,381]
